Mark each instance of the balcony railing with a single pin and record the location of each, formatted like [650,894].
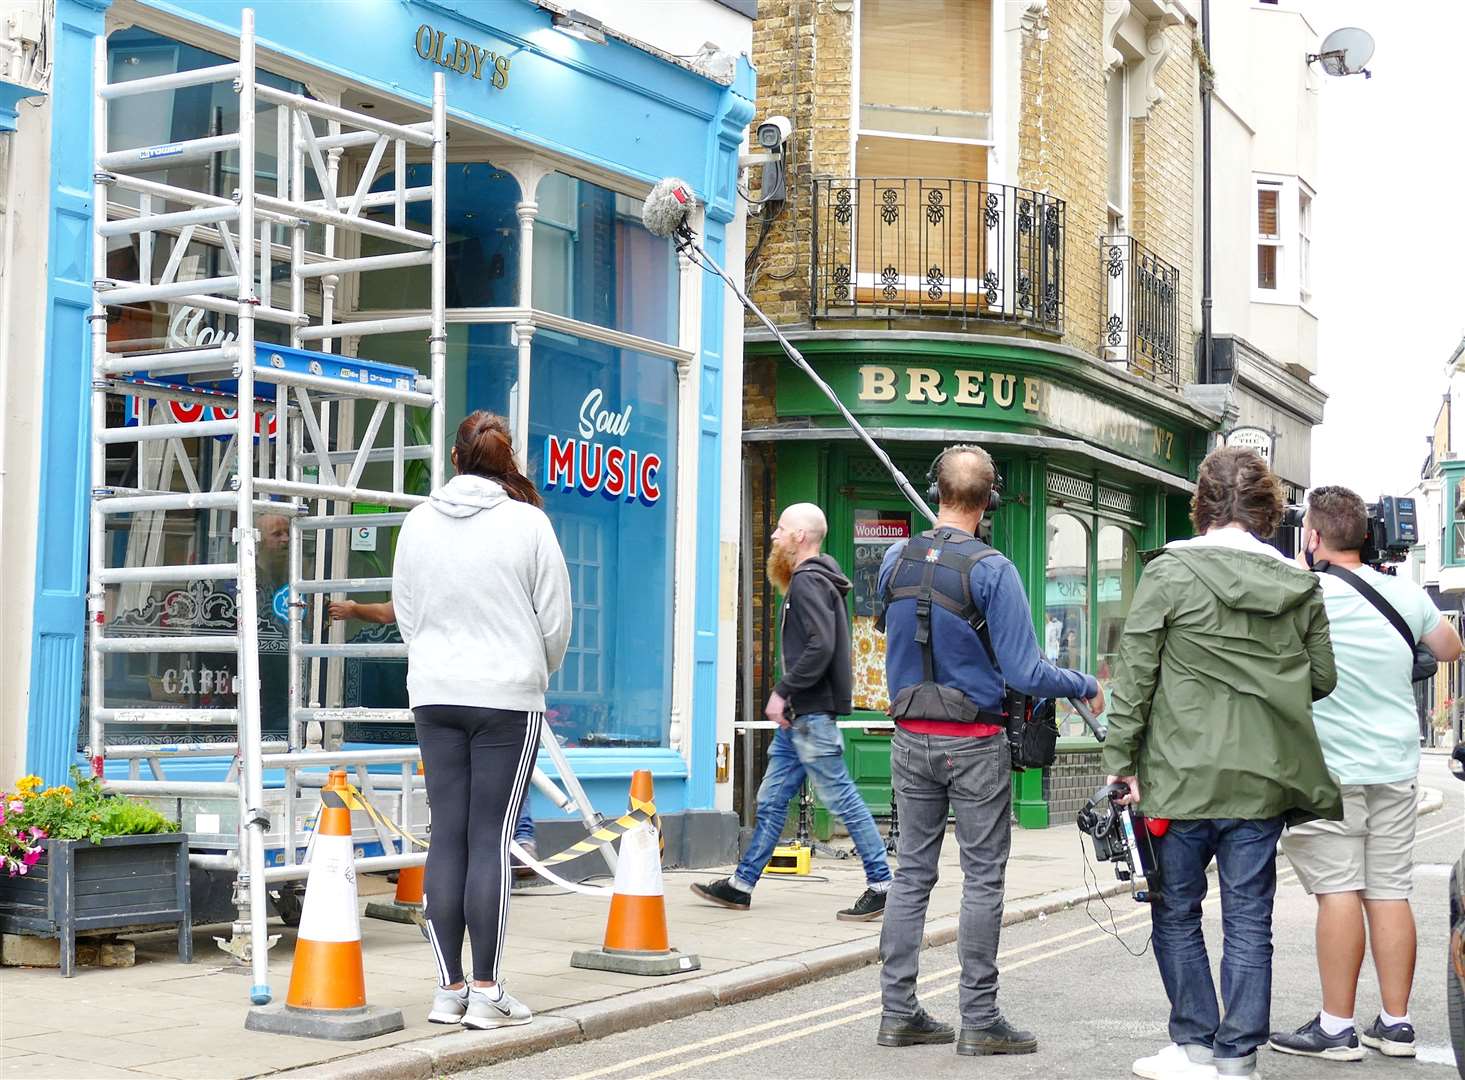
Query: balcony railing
[1141,295]
[913,247]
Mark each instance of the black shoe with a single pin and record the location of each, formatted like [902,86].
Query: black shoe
[1394,1041]
[998,1038]
[912,1030]
[870,905]
[723,893]
[1310,1040]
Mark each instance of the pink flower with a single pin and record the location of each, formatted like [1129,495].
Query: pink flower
[17,806]
[38,833]
[31,857]
[2,814]
[22,870]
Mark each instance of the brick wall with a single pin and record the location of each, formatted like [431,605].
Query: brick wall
[1165,150]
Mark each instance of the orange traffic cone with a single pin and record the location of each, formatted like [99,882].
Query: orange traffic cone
[636,940]
[327,996]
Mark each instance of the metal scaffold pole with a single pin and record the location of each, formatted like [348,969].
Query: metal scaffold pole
[235,436]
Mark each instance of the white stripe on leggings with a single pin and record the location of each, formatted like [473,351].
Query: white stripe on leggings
[437,950]
[506,875]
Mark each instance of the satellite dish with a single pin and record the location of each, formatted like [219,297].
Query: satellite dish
[1345,52]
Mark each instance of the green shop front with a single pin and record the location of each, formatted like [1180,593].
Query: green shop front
[1096,467]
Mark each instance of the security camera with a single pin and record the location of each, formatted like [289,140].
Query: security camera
[774,132]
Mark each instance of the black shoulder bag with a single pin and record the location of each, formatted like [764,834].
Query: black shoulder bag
[1425,664]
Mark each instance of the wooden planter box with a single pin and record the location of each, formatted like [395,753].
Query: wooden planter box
[130,882]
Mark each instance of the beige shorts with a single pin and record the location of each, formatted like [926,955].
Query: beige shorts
[1370,851]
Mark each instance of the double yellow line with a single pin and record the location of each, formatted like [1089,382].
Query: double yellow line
[1026,955]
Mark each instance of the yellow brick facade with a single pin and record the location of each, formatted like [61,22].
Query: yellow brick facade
[804,51]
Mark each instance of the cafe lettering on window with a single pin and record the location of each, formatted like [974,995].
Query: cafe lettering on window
[965,393]
[589,466]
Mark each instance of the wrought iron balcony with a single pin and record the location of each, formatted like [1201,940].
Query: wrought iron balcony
[914,247]
[1141,295]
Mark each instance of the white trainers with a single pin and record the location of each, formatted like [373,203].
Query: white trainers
[1174,1063]
[448,1006]
[495,1008]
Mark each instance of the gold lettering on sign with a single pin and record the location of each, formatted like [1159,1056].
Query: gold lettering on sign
[1030,395]
[925,385]
[1164,444]
[877,383]
[1003,387]
[461,56]
[969,389]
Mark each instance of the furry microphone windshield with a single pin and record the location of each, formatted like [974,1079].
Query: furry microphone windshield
[665,210]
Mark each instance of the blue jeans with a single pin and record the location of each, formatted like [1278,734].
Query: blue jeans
[524,827]
[1246,859]
[810,745]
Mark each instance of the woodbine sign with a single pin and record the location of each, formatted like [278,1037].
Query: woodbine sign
[965,393]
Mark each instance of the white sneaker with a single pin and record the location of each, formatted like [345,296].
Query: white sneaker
[1173,1063]
[448,1006]
[494,1008]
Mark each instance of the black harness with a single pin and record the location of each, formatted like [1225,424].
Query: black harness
[941,549]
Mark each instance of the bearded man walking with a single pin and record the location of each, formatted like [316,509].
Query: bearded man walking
[814,691]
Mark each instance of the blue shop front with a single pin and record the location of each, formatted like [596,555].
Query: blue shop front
[554,142]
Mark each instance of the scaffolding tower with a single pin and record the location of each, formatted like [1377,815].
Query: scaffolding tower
[250,387]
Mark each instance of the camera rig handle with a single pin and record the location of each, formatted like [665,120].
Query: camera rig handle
[1099,730]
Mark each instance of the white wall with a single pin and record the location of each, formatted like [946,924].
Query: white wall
[678,27]
[22,291]
[1264,122]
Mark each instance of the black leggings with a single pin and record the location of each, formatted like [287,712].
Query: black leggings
[477,764]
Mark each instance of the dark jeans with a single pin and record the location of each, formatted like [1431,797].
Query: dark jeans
[1246,859]
[931,775]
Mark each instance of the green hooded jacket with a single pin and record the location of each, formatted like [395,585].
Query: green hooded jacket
[1225,649]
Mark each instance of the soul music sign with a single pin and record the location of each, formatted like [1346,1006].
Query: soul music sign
[585,465]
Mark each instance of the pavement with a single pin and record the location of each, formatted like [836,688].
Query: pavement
[1094,1006]
[160,1019]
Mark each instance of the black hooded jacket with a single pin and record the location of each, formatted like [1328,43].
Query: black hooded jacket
[816,639]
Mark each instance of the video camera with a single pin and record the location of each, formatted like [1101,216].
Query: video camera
[1121,836]
[1393,529]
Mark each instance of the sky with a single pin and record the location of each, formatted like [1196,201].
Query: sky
[1389,240]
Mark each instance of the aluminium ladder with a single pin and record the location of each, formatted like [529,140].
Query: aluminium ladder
[310,398]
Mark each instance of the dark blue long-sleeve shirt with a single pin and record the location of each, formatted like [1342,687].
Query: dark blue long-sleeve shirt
[958,657]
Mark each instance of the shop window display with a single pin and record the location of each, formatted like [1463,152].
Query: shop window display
[1066,602]
[1117,575]
[603,450]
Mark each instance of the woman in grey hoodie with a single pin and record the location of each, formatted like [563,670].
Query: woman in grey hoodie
[482,599]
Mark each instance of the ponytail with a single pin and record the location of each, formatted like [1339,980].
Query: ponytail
[483,448]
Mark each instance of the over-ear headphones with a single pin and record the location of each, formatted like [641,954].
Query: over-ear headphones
[933,487]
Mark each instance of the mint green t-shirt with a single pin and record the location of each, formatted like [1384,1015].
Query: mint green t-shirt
[1368,726]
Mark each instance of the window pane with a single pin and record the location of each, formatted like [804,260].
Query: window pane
[1266,266]
[603,451]
[910,157]
[597,263]
[1066,602]
[926,67]
[1266,212]
[1116,580]
[482,247]
[875,531]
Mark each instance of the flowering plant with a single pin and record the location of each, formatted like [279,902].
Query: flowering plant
[84,811]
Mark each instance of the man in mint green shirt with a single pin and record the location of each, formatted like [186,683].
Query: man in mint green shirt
[1370,738]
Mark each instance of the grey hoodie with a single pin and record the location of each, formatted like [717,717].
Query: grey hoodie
[482,599]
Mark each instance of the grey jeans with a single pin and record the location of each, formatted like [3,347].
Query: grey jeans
[971,777]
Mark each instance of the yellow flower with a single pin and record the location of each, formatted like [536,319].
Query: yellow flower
[27,785]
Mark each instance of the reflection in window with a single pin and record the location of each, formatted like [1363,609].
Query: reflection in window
[482,249]
[594,261]
[603,451]
[1458,546]
[1066,602]
[1116,580]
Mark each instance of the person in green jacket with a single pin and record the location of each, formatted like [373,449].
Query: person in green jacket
[1225,649]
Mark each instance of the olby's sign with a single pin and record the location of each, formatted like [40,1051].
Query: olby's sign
[461,56]
[587,465]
